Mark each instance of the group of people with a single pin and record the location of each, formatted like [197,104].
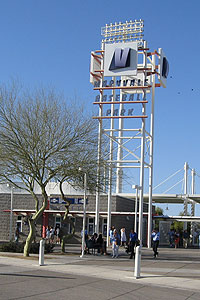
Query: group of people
[97,243]
[177,239]
[53,234]
[117,240]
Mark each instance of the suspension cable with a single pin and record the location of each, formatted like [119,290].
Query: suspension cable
[167,179]
[173,186]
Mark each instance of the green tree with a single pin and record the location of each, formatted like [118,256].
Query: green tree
[159,211]
[178,225]
[41,139]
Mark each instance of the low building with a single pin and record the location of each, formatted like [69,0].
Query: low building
[23,205]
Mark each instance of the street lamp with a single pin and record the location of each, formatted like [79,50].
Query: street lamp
[11,210]
[84,214]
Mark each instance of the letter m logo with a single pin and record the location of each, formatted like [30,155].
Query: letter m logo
[120,59]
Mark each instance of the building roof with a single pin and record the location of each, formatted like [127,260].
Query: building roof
[165,198]
[71,213]
[178,218]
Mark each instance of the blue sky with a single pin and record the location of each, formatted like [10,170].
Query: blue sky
[49,42]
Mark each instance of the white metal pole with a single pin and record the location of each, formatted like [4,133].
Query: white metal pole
[137,262]
[193,174]
[185,192]
[84,215]
[11,213]
[140,227]
[185,178]
[99,152]
[136,209]
[41,253]
[138,257]
[98,175]
[109,205]
[141,191]
[151,155]
[193,204]
[110,167]
[119,176]
[141,179]
[193,181]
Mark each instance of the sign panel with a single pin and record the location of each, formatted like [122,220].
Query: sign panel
[57,200]
[120,59]
[163,68]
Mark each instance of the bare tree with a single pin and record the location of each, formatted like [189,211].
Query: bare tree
[43,138]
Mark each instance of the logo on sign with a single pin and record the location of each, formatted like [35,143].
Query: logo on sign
[120,59]
[165,68]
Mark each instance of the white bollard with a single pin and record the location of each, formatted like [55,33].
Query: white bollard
[137,262]
[41,253]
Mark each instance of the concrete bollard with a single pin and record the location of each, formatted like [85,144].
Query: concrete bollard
[137,262]
[41,253]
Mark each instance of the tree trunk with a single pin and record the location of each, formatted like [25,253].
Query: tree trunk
[33,221]
[29,238]
[63,245]
[64,240]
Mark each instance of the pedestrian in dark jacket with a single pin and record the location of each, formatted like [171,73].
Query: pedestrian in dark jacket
[132,241]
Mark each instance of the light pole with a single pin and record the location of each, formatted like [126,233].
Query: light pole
[84,214]
[11,210]
[186,167]
[136,187]
[138,248]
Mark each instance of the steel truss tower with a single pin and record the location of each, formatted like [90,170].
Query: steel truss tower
[126,114]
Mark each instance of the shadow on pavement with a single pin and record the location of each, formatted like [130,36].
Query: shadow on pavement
[35,276]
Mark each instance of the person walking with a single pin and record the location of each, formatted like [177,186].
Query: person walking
[185,239]
[156,238]
[177,239]
[111,234]
[171,238]
[52,232]
[115,244]
[48,234]
[16,234]
[123,236]
[57,233]
[132,240]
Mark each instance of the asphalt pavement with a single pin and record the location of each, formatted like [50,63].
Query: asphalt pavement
[175,274]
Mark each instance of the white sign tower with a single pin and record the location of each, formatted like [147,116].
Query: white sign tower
[124,75]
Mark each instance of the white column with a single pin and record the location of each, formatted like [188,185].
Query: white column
[138,257]
[99,153]
[142,157]
[151,156]
[120,149]
[110,166]
[193,181]
[109,205]
[185,193]
[84,215]
[11,212]
[136,209]
[141,181]
[98,179]
[41,253]
[193,204]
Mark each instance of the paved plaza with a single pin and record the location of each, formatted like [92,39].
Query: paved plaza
[175,274]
